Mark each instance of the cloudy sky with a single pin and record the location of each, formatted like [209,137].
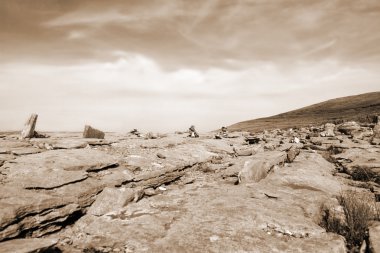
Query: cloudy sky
[163,65]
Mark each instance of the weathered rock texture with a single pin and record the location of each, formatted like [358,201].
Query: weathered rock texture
[30,125]
[90,132]
[374,237]
[34,245]
[178,194]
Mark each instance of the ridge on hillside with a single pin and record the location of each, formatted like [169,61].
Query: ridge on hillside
[361,108]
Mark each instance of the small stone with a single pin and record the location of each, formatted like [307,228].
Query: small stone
[214,238]
[244,152]
[161,188]
[149,192]
[160,155]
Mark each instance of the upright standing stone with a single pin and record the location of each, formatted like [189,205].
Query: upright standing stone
[90,132]
[30,125]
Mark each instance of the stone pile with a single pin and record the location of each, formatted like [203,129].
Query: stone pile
[192,132]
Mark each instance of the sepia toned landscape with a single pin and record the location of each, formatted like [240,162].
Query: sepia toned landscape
[276,190]
[181,126]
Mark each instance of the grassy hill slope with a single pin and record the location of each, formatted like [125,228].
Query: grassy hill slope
[361,107]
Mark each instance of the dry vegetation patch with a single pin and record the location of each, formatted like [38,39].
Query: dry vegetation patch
[359,209]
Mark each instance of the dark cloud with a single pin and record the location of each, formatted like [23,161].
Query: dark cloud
[182,33]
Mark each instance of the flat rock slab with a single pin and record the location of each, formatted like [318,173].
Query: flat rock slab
[111,199]
[26,151]
[260,164]
[188,154]
[56,168]
[17,207]
[10,144]
[6,157]
[226,218]
[33,245]
[68,144]
[359,158]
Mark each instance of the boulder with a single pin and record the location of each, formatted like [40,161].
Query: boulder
[90,132]
[329,130]
[151,135]
[30,125]
[292,153]
[243,152]
[348,127]
[374,237]
[252,139]
[361,164]
[260,165]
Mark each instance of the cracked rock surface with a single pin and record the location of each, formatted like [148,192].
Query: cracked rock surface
[177,194]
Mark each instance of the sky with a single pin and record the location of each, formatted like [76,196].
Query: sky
[163,65]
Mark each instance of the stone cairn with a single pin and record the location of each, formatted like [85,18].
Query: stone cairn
[192,132]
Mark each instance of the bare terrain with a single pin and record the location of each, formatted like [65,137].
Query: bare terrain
[306,189]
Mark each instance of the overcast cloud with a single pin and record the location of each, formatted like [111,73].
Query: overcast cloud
[164,65]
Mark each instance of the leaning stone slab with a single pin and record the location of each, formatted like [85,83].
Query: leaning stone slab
[90,132]
[32,245]
[56,168]
[30,125]
[258,168]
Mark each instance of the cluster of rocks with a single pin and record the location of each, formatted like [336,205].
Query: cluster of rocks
[192,132]
[84,193]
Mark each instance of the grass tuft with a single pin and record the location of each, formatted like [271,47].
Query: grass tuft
[359,209]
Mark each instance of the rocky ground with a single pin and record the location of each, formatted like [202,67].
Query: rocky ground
[172,193]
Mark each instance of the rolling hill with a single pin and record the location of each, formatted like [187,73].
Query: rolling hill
[361,108]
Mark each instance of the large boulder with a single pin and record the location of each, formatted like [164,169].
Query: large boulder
[329,130]
[292,153]
[353,129]
[361,164]
[260,165]
[348,127]
[90,132]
